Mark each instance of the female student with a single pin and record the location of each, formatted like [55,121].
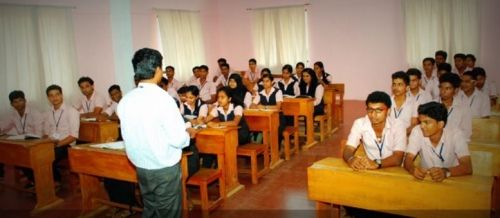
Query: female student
[309,86]
[228,112]
[323,77]
[299,67]
[239,91]
[259,87]
[288,85]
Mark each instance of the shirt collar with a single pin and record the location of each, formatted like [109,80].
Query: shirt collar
[63,106]
[230,108]
[263,92]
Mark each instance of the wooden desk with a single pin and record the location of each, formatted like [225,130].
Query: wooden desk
[485,159]
[98,132]
[37,155]
[329,100]
[302,107]
[270,118]
[393,190]
[485,131]
[227,137]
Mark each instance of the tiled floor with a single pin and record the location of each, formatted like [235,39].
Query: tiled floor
[281,193]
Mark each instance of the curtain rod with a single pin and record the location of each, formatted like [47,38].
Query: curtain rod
[31,5]
[170,9]
[285,6]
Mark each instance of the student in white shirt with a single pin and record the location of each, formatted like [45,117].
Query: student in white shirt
[288,84]
[299,67]
[470,61]
[383,139]
[171,91]
[478,102]
[440,57]
[151,126]
[22,119]
[460,66]
[443,150]
[115,93]
[430,81]
[91,104]
[252,76]
[223,78]
[61,125]
[403,108]
[485,86]
[172,82]
[459,114]
[442,69]
[311,87]
[196,75]
[419,95]
[214,75]
[207,88]
[323,77]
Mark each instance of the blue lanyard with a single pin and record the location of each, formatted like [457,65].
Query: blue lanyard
[23,124]
[449,112]
[440,155]
[58,120]
[88,103]
[380,146]
[396,114]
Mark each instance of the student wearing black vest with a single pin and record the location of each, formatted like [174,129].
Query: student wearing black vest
[239,91]
[270,98]
[288,85]
[259,86]
[299,67]
[309,86]
[323,77]
[228,113]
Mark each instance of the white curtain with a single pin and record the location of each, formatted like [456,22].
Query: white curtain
[36,50]
[280,36]
[449,25]
[182,41]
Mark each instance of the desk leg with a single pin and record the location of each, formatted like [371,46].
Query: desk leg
[91,188]
[327,210]
[274,137]
[44,186]
[310,131]
[230,145]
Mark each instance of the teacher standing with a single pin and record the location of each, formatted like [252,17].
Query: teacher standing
[153,133]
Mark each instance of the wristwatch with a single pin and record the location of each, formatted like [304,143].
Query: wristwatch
[379,163]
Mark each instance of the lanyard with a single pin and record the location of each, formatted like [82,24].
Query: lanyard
[87,104]
[58,120]
[23,123]
[472,101]
[440,155]
[397,113]
[380,146]
[449,112]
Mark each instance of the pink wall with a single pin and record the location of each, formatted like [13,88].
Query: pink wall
[490,33]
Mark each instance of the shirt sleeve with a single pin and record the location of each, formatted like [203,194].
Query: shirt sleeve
[354,138]
[213,112]
[203,111]
[74,123]
[399,136]
[248,100]
[319,94]
[6,124]
[172,119]
[279,96]
[213,89]
[414,142]
[100,101]
[466,123]
[238,111]
[256,99]
[329,78]
[296,89]
[461,146]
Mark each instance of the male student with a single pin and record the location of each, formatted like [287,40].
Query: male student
[151,126]
[419,95]
[383,139]
[192,79]
[460,66]
[214,75]
[115,93]
[459,114]
[170,90]
[207,88]
[442,69]
[223,78]
[91,104]
[172,82]
[21,120]
[252,75]
[443,151]
[430,81]
[440,57]
[61,124]
[403,107]
[470,61]
[478,102]
[484,85]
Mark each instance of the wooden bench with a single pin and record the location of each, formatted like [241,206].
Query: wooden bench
[289,110]
[339,102]
[329,99]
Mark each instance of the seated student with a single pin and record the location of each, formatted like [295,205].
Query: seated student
[310,86]
[485,86]
[171,91]
[20,121]
[91,104]
[440,57]
[115,93]
[61,125]
[172,82]
[443,151]
[270,98]
[239,91]
[478,102]
[193,106]
[259,86]
[323,77]
[470,61]
[252,76]
[288,85]
[196,75]
[442,69]
[459,114]
[403,108]
[460,66]
[383,139]
[416,92]
[214,75]
[430,81]
[207,88]
[227,113]
[182,96]
[299,67]
[223,77]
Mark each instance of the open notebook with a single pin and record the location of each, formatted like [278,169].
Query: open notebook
[110,145]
